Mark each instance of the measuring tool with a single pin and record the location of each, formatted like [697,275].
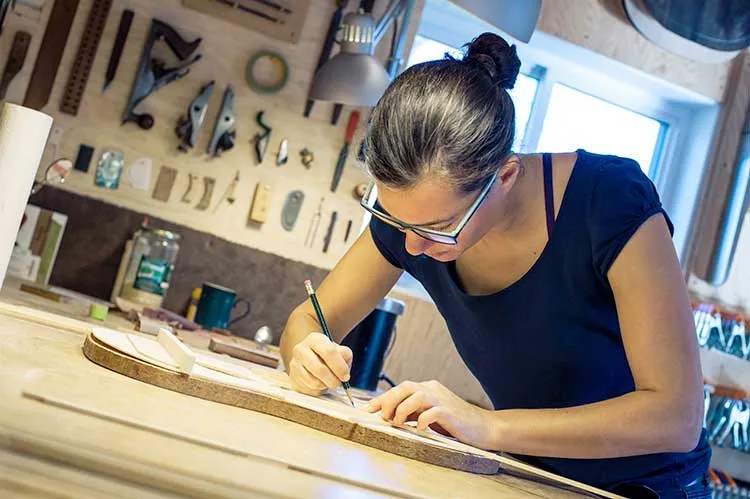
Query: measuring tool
[79,74]
[50,52]
[15,60]
[114,57]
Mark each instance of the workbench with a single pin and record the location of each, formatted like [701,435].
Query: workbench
[71,427]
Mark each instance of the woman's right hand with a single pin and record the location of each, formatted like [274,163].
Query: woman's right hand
[318,364]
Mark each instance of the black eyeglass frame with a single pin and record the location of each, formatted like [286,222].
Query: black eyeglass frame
[436,236]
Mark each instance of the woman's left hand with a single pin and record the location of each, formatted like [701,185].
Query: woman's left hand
[431,404]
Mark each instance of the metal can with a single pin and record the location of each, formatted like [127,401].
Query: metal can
[151,266]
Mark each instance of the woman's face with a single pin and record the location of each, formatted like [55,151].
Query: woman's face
[434,204]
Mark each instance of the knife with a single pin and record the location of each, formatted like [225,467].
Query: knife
[350,128]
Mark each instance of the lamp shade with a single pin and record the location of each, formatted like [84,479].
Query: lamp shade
[353,79]
[515,17]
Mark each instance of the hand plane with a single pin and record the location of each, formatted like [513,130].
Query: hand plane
[153,73]
[222,138]
[189,126]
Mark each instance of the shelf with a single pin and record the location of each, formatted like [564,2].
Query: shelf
[722,368]
[734,462]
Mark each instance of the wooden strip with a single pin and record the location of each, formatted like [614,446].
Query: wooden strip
[50,53]
[414,448]
[55,401]
[442,452]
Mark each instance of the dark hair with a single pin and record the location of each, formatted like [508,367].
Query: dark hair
[453,117]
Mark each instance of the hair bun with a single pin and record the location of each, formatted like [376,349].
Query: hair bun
[496,57]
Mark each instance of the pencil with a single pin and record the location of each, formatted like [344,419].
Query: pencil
[324,325]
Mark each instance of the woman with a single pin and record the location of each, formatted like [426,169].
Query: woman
[556,275]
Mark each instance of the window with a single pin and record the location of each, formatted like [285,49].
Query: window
[578,120]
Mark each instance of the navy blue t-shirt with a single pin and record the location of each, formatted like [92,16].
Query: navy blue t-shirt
[552,338]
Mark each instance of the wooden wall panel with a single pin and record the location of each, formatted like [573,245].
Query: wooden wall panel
[601,26]
[226,48]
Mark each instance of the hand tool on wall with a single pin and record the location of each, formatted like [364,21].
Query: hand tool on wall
[164,183]
[189,126]
[283,155]
[306,156]
[348,230]
[109,168]
[328,42]
[222,138]
[261,139]
[50,52]
[186,198]
[252,11]
[339,170]
[228,195]
[84,58]
[5,6]
[126,19]
[291,209]
[261,204]
[264,85]
[16,58]
[329,232]
[152,73]
[83,159]
[312,231]
[208,190]
[139,173]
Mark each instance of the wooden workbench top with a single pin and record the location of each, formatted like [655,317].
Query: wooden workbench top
[81,426]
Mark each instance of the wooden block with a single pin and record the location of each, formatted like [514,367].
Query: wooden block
[183,356]
[261,203]
[164,184]
[234,348]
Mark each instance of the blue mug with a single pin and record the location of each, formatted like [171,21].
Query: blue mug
[216,305]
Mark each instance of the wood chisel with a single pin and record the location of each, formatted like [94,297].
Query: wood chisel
[15,60]
[114,57]
[339,170]
[50,53]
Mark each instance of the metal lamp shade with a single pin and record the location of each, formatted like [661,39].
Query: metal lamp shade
[352,79]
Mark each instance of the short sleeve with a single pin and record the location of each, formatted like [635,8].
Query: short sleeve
[623,199]
[389,241]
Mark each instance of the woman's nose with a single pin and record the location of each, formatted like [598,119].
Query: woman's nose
[416,245]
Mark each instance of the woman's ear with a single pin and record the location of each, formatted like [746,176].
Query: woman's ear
[509,173]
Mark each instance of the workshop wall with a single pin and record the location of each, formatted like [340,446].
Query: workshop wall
[225,49]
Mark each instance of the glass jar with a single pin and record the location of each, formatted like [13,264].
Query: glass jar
[150,267]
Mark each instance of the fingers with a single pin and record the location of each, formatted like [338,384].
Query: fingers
[347,354]
[303,381]
[316,367]
[433,415]
[411,405]
[333,359]
[390,400]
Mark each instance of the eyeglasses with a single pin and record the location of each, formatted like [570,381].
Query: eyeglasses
[369,201]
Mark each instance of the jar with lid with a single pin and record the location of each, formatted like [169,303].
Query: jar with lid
[150,267]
